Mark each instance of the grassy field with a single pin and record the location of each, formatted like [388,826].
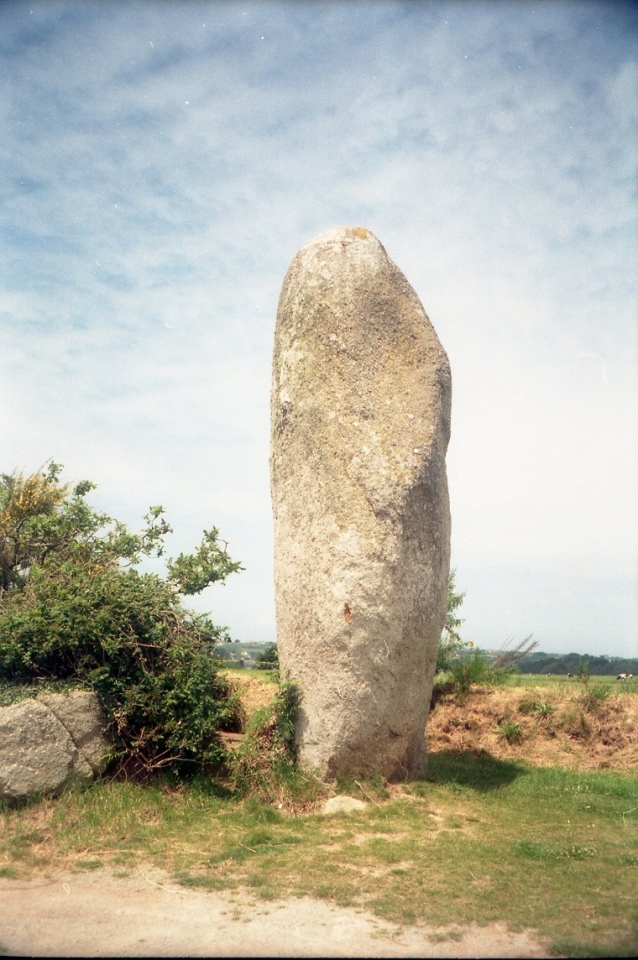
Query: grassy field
[560,681]
[482,839]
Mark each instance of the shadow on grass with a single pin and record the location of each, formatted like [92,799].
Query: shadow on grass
[573,948]
[477,770]
[198,784]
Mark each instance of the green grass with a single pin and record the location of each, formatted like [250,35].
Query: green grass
[562,682]
[481,840]
[511,731]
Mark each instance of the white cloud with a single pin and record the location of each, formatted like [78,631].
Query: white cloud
[163,174]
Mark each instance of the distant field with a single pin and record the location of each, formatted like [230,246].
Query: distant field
[260,676]
[558,680]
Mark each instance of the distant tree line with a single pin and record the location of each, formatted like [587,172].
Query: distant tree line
[571,662]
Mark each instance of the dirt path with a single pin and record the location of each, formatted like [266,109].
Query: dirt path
[99,915]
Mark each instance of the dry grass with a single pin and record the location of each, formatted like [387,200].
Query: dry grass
[558,728]
[257,688]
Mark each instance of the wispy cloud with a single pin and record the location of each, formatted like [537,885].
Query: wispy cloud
[164,161]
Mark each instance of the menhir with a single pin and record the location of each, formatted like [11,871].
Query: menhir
[361,397]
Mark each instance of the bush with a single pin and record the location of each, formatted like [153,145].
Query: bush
[475,668]
[73,607]
[592,699]
[265,764]
[268,658]
[575,723]
[469,670]
[544,710]
[451,643]
[536,707]
[511,731]
[527,706]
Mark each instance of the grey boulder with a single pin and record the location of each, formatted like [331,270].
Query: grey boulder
[48,743]
[342,804]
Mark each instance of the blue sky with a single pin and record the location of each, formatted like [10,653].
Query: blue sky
[162,163]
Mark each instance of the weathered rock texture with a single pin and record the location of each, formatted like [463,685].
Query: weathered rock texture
[360,425]
[48,743]
[342,804]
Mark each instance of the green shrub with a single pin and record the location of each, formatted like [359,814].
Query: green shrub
[583,674]
[511,731]
[286,704]
[268,658]
[592,699]
[536,708]
[544,710]
[265,764]
[469,670]
[574,721]
[451,643]
[527,706]
[71,610]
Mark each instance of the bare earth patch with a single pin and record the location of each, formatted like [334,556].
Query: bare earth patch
[147,914]
[256,691]
[569,736]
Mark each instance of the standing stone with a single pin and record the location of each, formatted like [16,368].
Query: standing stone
[360,426]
